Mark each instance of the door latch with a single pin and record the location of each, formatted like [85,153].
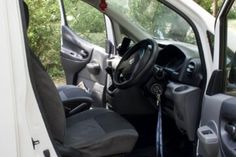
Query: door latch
[34,142]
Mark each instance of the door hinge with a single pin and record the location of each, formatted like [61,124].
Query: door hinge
[35,142]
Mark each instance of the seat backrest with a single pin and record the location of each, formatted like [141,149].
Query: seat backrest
[47,95]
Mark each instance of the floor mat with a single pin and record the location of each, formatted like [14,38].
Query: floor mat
[176,144]
[145,152]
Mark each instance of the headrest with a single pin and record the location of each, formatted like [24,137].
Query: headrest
[26,9]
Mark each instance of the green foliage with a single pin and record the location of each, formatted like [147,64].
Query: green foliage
[206,4]
[86,21]
[232,13]
[44,34]
[44,29]
[143,13]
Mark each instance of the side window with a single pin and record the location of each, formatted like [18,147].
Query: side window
[86,21]
[230,55]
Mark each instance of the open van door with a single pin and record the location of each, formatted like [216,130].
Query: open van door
[217,132]
[83,54]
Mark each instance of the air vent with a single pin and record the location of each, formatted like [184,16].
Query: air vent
[190,68]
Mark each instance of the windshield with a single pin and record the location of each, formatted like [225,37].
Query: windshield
[159,21]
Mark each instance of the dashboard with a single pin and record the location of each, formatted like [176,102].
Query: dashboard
[182,62]
[182,88]
[182,94]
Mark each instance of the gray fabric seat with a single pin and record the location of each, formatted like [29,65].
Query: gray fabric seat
[92,133]
[101,133]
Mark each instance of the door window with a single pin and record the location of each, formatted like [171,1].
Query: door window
[230,55]
[86,21]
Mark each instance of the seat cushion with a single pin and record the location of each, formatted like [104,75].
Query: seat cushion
[100,132]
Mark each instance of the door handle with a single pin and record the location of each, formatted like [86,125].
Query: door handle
[93,67]
[83,54]
[231,130]
[80,55]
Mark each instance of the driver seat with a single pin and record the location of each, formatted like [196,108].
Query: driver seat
[92,133]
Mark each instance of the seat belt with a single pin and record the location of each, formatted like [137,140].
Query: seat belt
[159,138]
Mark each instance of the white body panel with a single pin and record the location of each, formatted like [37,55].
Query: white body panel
[20,118]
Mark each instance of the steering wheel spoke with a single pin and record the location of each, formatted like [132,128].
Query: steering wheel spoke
[136,62]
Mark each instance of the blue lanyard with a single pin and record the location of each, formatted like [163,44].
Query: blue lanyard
[159,139]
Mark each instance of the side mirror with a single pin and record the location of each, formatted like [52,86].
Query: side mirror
[232,72]
[122,49]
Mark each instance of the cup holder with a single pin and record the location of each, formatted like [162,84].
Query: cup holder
[181,88]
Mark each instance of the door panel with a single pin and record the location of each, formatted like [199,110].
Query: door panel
[83,29]
[95,69]
[81,59]
[210,122]
[83,62]
[217,133]
[227,127]
[93,75]
[213,102]
[75,54]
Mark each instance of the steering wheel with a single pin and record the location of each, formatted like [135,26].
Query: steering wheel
[136,64]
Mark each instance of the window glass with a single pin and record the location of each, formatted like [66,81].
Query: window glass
[230,59]
[86,21]
[155,19]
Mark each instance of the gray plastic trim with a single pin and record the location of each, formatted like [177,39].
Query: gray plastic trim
[186,101]
[208,139]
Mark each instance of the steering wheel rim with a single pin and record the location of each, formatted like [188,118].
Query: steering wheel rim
[136,64]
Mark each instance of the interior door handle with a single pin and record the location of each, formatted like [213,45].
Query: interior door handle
[80,55]
[231,130]
[93,67]
[83,53]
